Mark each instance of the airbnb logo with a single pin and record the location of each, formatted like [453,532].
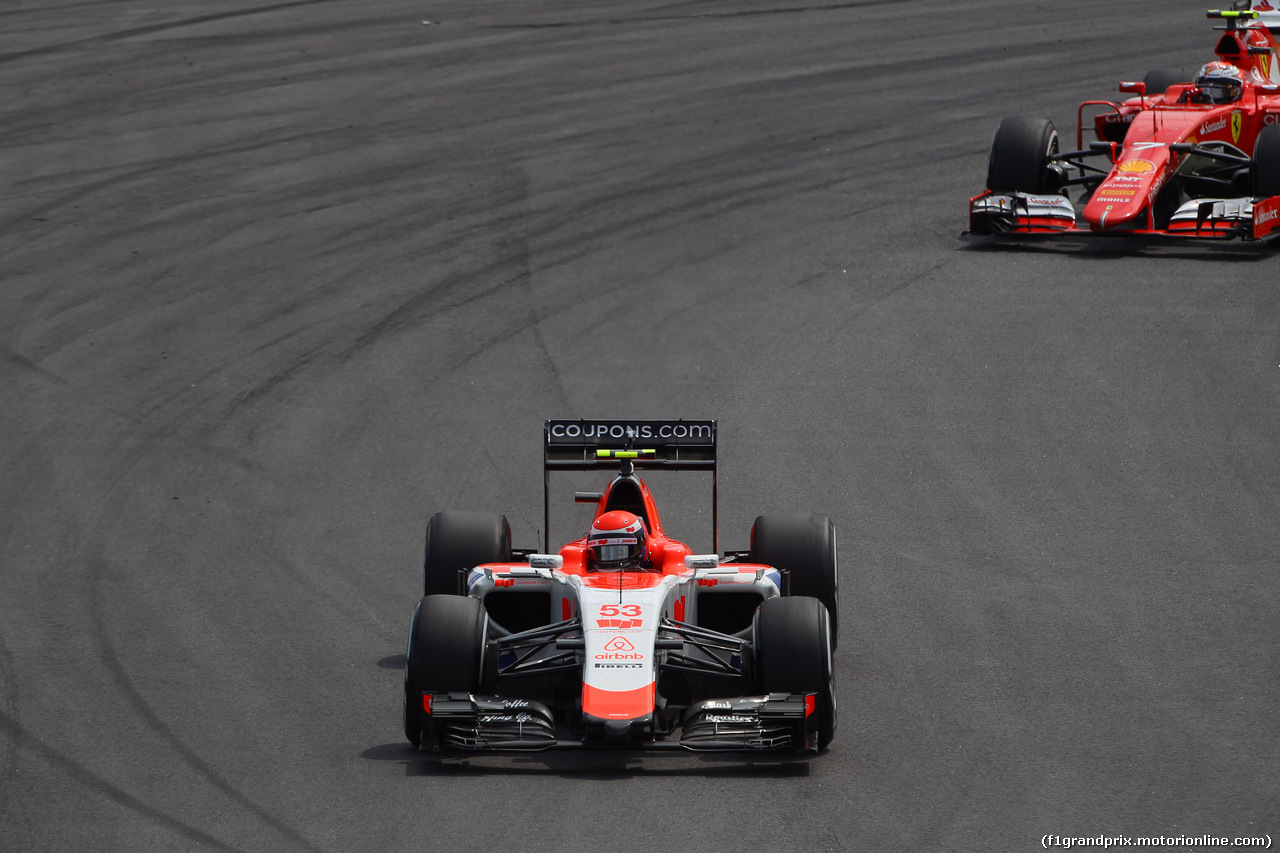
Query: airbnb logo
[619,648]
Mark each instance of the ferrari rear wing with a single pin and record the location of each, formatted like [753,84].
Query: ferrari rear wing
[585,445]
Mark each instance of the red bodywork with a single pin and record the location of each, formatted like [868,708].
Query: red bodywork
[665,555]
[1150,143]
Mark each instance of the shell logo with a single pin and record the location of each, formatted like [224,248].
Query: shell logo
[1135,166]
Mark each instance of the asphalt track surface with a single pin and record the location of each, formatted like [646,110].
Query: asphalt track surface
[278,281]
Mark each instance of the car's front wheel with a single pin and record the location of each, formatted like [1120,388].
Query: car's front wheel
[446,654]
[1021,152]
[1266,163]
[792,653]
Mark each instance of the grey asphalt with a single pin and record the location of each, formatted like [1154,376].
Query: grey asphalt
[279,281]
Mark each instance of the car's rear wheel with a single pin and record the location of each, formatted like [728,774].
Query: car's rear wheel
[805,545]
[1160,79]
[462,540]
[791,652]
[446,654]
[1266,163]
[1020,155]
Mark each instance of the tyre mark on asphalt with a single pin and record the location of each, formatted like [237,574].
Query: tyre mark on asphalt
[153,721]
[154,28]
[17,735]
[693,15]
[534,324]
[9,765]
[124,176]
[26,365]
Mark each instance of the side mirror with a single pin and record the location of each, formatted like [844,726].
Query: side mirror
[1137,87]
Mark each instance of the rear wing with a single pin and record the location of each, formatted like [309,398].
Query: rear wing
[1250,40]
[582,445]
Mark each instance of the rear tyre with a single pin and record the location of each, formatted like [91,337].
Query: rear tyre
[804,545]
[446,654]
[792,654]
[462,540]
[1266,163]
[1162,78]
[1020,155]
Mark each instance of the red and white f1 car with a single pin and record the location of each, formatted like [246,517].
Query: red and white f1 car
[624,637]
[1184,158]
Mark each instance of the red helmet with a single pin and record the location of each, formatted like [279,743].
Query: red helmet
[1221,82]
[616,542]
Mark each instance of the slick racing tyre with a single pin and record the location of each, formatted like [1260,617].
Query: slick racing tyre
[1266,163]
[446,654]
[804,545]
[1162,78]
[792,654]
[1020,155]
[462,540]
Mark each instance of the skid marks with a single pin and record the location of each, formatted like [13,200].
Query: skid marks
[20,738]
[142,710]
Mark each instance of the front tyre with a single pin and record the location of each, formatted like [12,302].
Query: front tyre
[1266,163]
[792,653]
[447,637]
[1021,152]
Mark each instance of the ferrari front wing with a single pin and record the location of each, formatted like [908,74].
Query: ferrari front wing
[1211,218]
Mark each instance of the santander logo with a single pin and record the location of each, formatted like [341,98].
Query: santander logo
[1213,126]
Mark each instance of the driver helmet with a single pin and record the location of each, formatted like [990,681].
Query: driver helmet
[616,542]
[1221,82]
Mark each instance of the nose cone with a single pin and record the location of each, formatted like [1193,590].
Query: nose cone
[1122,199]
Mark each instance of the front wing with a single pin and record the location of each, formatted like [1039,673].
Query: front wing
[1024,214]
[468,722]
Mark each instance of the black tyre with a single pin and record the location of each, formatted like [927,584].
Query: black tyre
[462,540]
[446,654]
[1162,78]
[804,545]
[1266,163]
[1020,154]
[791,649]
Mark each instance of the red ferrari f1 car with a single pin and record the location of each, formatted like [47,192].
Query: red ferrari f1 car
[624,637]
[1183,158]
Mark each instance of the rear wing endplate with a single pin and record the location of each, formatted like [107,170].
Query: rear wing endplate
[585,445]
